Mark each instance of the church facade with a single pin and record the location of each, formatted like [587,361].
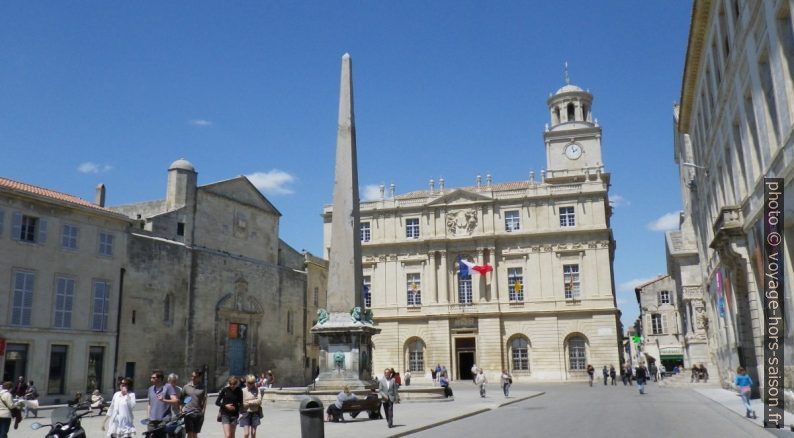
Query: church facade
[208,284]
[547,308]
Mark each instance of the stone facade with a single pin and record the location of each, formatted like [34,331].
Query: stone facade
[61,267]
[546,310]
[666,323]
[734,128]
[316,298]
[210,285]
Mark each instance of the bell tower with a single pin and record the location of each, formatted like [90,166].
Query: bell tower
[573,139]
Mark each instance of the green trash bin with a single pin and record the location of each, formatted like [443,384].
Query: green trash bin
[311,413]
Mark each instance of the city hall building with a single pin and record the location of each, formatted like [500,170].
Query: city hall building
[545,311]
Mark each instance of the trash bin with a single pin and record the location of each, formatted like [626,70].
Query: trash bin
[311,413]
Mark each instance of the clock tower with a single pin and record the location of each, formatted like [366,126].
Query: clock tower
[573,140]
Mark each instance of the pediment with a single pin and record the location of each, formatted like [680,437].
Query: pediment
[460,196]
[242,190]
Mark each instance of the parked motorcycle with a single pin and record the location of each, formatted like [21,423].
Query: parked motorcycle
[65,422]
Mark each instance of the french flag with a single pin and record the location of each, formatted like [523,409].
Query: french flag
[466,267]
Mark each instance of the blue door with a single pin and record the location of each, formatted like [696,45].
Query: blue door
[237,357]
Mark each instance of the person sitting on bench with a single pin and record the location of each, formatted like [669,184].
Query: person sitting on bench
[334,410]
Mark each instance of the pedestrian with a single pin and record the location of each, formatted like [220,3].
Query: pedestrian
[506,380]
[474,373]
[444,383]
[251,414]
[629,375]
[407,377]
[695,377]
[6,406]
[623,375]
[334,410]
[173,381]
[229,399]
[21,388]
[444,371]
[591,373]
[662,370]
[31,400]
[705,373]
[480,380]
[195,398]
[387,389]
[642,376]
[652,368]
[161,398]
[605,373]
[612,374]
[119,421]
[270,379]
[433,374]
[97,401]
[744,384]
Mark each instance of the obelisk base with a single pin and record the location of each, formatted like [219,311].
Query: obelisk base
[345,353]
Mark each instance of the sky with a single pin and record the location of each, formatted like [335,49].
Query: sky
[113,92]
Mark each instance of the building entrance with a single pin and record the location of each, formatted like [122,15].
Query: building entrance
[466,352]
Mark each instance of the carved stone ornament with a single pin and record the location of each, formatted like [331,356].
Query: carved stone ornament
[462,222]
[701,320]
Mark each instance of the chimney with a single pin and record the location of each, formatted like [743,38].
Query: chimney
[381,188]
[532,177]
[478,181]
[441,184]
[391,190]
[542,175]
[488,180]
[99,196]
[432,186]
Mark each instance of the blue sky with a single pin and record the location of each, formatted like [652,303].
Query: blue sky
[113,92]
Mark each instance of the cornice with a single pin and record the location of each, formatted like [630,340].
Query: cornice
[697,35]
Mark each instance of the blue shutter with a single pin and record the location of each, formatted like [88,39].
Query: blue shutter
[42,234]
[16,225]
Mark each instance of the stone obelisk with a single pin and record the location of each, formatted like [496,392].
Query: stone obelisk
[345,328]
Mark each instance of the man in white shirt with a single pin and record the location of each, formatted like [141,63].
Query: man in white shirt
[388,393]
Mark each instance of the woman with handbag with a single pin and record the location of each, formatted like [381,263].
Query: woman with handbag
[251,408]
[229,399]
[744,385]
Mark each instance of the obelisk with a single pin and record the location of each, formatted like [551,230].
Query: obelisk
[345,328]
[344,267]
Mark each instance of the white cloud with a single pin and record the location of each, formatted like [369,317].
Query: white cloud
[665,223]
[200,122]
[621,301]
[274,182]
[628,286]
[371,192]
[618,201]
[91,167]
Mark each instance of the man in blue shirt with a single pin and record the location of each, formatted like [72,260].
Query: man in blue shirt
[161,398]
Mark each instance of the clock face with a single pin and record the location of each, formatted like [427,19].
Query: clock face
[573,151]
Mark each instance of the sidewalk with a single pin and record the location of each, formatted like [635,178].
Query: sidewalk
[730,400]
[284,422]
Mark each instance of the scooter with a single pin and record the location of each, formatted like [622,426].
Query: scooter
[173,428]
[65,422]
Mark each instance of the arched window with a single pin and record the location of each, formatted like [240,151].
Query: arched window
[416,355]
[519,352]
[571,112]
[577,353]
[557,115]
[584,112]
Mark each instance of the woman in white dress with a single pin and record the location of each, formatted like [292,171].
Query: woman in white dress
[119,414]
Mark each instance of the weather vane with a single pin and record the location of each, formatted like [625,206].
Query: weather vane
[567,78]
